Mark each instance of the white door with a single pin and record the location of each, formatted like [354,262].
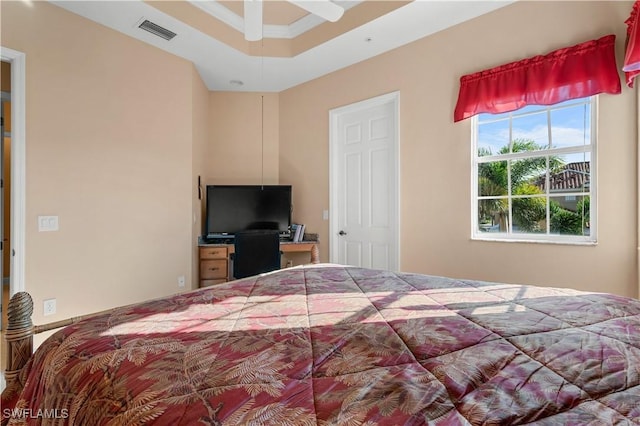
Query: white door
[364,228]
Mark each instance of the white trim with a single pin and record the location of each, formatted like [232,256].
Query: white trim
[334,114]
[638,180]
[593,186]
[293,30]
[546,237]
[218,11]
[301,26]
[540,153]
[18,165]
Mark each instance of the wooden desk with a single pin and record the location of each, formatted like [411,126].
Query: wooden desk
[310,247]
[215,265]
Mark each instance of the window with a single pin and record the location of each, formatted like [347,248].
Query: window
[534,173]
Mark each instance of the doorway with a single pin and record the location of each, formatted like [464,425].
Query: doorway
[14,186]
[365,183]
[5,173]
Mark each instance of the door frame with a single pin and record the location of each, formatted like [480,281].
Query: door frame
[18,166]
[334,138]
[6,96]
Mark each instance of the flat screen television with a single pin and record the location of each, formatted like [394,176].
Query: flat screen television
[233,208]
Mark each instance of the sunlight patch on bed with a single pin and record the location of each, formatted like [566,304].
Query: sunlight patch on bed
[197,317]
[499,309]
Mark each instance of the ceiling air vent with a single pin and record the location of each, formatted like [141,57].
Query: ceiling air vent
[157,30]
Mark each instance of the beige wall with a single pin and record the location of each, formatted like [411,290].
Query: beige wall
[200,111]
[109,150]
[238,151]
[435,218]
[118,163]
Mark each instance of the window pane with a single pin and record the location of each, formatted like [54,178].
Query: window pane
[574,101]
[532,131]
[570,173]
[492,214]
[492,137]
[570,215]
[485,116]
[526,175]
[527,109]
[530,215]
[492,178]
[571,126]
[538,191]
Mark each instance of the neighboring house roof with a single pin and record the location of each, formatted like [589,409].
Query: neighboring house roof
[571,177]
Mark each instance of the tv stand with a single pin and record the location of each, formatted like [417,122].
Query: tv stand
[215,265]
[229,240]
[218,240]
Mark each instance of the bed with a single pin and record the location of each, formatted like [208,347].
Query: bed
[337,345]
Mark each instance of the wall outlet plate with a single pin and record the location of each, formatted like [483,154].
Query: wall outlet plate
[181,281]
[49,307]
[47,223]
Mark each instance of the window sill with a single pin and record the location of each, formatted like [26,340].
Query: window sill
[534,241]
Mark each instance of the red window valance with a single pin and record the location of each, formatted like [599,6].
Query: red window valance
[631,65]
[573,72]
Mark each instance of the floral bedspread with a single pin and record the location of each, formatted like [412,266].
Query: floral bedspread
[333,345]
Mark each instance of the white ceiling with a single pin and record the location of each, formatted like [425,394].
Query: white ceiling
[219,64]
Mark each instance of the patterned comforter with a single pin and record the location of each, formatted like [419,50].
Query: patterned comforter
[333,345]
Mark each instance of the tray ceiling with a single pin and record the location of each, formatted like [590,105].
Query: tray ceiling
[297,46]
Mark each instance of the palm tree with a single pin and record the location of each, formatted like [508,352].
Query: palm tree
[493,181]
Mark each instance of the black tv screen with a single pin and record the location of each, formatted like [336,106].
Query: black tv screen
[233,208]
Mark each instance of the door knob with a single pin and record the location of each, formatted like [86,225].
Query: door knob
[342,233]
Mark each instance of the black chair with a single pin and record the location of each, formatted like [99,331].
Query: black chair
[256,251]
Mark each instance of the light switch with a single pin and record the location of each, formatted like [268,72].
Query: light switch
[47,223]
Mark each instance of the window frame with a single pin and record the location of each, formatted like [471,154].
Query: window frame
[547,237]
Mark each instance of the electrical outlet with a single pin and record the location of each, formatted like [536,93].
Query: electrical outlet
[181,281]
[47,223]
[49,306]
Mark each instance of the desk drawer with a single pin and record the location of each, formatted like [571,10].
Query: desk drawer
[213,252]
[207,283]
[213,268]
